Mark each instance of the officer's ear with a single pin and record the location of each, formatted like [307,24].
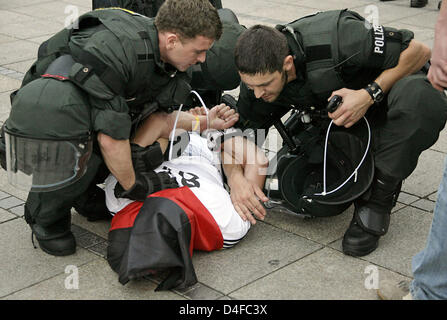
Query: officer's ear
[171,40]
[288,63]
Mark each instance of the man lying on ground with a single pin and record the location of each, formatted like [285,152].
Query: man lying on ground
[162,232]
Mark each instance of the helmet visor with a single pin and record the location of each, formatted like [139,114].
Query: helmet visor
[42,165]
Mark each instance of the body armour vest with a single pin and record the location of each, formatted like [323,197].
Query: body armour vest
[313,41]
[153,82]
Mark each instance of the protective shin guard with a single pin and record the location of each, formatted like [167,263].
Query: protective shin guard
[371,217]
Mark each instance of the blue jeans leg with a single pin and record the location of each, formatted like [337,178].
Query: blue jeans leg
[430,265]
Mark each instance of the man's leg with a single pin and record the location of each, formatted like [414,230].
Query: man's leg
[416,114]
[430,265]
[49,213]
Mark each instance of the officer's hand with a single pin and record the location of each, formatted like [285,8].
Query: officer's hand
[246,197]
[145,184]
[222,117]
[354,106]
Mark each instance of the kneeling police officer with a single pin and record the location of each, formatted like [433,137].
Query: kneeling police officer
[79,103]
[376,72]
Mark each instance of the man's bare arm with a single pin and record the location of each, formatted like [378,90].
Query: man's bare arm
[357,102]
[245,167]
[117,157]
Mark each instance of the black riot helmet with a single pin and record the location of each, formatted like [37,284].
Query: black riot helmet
[326,176]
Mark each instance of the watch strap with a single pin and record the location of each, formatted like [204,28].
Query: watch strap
[375,91]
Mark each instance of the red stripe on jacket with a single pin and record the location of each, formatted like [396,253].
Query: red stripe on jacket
[205,233]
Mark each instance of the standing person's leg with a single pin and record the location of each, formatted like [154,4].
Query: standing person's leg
[430,265]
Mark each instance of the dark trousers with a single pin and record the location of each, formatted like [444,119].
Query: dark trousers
[48,208]
[415,115]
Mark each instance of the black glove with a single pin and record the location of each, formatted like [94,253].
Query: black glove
[146,159]
[145,184]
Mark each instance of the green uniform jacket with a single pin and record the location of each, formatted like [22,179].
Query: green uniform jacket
[117,65]
[358,66]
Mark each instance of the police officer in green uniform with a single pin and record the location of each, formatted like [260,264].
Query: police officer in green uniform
[376,71]
[81,101]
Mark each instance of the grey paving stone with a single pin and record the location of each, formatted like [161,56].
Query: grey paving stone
[18,3]
[424,204]
[19,210]
[441,144]
[425,19]
[407,198]
[200,292]
[426,177]
[8,84]
[10,202]
[21,66]
[99,249]
[433,196]
[81,3]
[16,51]
[325,274]
[100,228]
[51,9]
[321,230]
[5,105]
[263,250]
[6,187]
[333,4]
[406,236]
[4,195]
[398,206]
[6,216]
[22,265]
[32,28]
[96,282]
[386,12]
[5,38]
[9,16]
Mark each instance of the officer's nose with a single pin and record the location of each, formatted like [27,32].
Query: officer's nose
[258,92]
[202,57]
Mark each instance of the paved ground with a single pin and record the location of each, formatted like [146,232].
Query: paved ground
[283,257]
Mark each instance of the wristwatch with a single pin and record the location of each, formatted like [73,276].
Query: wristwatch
[375,91]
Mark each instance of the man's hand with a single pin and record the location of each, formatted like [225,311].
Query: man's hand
[221,117]
[246,197]
[437,74]
[354,106]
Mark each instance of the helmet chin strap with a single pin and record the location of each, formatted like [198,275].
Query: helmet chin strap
[176,120]
[325,192]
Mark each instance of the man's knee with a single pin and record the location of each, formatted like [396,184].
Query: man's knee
[414,99]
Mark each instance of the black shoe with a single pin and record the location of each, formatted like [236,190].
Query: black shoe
[57,240]
[371,217]
[418,3]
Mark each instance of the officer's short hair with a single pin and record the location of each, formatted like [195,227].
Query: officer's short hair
[189,19]
[261,49]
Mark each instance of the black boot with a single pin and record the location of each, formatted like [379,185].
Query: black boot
[56,239]
[371,217]
[418,3]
